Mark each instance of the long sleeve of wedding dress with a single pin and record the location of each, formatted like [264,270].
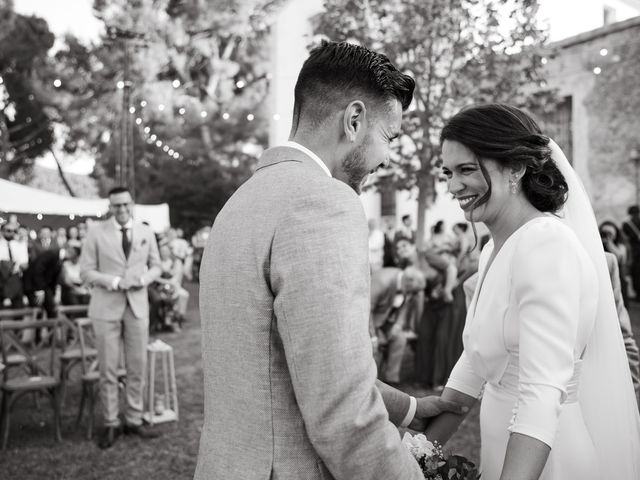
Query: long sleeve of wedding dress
[551,333]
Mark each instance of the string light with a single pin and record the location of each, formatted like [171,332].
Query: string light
[120,85]
[138,121]
[72,217]
[182,111]
[165,148]
[153,137]
[240,84]
[1,80]
[250,117]
[143,103]
[161,107]
[132,109]
[175,83]
[147,129]
[39,216]
[57,83]
[276,116]
[597,70]
[176,155]
[159,143]
[543,60]
[203,114]
[604,52]
[225,116]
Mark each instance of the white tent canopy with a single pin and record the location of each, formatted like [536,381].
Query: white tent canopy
[16,198]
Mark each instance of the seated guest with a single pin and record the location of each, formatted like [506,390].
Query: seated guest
[391,293]
[168,288]
[73,289]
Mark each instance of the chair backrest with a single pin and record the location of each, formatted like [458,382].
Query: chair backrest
[34,353]
[21,313]
[87,338]
[73,311]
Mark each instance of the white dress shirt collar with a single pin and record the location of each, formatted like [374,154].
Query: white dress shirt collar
[128,225]
[305,150]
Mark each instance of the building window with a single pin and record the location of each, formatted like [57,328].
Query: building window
[559,125]
[608,15]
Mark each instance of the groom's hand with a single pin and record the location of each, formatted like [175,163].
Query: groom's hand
[432,406]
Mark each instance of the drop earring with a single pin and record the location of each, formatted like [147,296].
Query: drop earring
[513,186]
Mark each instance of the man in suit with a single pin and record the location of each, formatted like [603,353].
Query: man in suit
[40,279]
[14,260]
[289,376]
[119,259]
[631,230]
[392,294]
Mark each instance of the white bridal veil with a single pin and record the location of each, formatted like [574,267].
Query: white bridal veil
[606,392]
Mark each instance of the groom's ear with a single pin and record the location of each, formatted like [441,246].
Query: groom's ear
[354,120]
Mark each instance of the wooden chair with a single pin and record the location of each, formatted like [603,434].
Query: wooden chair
[40,375]
[90,371]
[15,358]
[71,356]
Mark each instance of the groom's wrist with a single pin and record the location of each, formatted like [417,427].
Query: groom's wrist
[411,413]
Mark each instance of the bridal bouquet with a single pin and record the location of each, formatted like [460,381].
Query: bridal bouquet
[435,464]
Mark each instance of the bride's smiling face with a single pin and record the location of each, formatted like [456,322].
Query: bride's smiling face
[468,185]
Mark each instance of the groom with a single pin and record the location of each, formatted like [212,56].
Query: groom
[289,375]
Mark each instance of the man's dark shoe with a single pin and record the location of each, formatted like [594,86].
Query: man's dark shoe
[141,431]
[108,437]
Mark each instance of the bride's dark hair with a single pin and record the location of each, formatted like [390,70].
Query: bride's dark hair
[512,138]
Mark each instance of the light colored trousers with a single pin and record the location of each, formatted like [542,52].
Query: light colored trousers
[132,333]
[396,343]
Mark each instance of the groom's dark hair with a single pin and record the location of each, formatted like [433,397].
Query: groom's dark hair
[337,73]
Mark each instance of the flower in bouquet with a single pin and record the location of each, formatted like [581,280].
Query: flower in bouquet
[435,465]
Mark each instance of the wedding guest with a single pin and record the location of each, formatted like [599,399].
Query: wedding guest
[73,237]
[405,230]
[612,242]
[41,278]
[391,290]
[119,260]
[170,281]
[73,289]
[14,260]
[633,354]
[631,230]
[388,256]
[376,245]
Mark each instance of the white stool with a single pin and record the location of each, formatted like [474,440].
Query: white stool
[169,411]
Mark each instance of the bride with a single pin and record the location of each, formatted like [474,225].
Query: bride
[542,335]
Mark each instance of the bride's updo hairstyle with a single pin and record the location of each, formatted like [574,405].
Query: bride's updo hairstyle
[512,138]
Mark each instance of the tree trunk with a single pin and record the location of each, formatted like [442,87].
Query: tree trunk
[205,134]
[61,173]
[423,203]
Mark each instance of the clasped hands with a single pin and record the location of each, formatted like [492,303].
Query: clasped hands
[130,284]
[430,407]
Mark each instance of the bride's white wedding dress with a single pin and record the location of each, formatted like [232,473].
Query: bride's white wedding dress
[527,325]
[543,337]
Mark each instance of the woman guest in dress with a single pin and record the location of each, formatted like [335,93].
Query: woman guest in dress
[542,335]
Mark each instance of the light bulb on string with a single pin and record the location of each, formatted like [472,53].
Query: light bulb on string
[161,107]
[120,85]
[543,60]
[597,70]
[1,80]
[143,103]
[57,83]
[276,116]
[182,111]
[175,83]
[165,148]
[72,217]
[176,155]
[170,152]
[132,109]
[159,143]
[203,114]
[138,121]
[240,84]
[147,129]
[226,116]
[250,117]
[153,137]
[39,216]
[604,52]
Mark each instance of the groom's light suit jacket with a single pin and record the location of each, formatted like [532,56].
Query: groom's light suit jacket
[289,375]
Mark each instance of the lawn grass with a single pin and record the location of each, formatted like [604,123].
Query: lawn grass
[33,454]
